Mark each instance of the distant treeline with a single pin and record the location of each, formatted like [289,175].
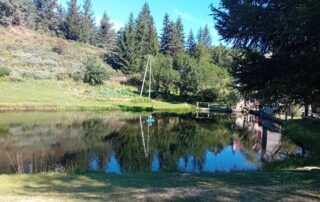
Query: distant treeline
[183,65]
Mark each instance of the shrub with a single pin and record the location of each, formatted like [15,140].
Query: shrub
[95,72]
[4,71]
[60,47]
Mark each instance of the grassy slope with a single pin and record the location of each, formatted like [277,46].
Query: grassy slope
[266,186]
[29,55]
[69,95]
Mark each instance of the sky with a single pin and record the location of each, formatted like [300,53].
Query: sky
[194,13]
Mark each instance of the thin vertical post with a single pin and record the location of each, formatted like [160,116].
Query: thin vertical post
[150,78]
[144,78]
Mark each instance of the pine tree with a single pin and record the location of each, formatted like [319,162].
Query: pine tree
[106,38]
[88,23]
[146,34]
[179,36]
[166,40]
[47,18]
[191,43]
[206,37]
[200,36]
[73,21]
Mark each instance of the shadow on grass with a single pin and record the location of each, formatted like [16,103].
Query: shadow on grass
[266,186]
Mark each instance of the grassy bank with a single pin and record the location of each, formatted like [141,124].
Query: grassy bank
[69,95]
[305,133]
[266,186]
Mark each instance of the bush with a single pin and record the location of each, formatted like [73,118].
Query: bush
[4,71]
[95,72]
[60,48]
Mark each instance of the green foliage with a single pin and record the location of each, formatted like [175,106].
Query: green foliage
[106,37]
[126,56]
[146,34]
[95,73]
[164,76]
[4,71]
[280,58]
[306,133]
[186,67]
[73,23]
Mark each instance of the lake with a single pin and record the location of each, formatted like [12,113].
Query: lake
[119,142]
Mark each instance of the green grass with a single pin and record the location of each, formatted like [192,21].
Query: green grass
[69,95]
[305,133]
[262,186]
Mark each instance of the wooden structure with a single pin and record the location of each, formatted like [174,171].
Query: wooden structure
[211,107]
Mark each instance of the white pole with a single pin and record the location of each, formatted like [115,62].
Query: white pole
[144,78]
[150,79]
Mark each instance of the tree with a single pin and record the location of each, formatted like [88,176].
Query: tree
[146,34]
[88,23]
[166,36]
[73,24]
[106,34]
[47,18]
[206,37]
[280,51]
[126,50]
[186,67]
[179,36]
[18,12]
[200,35]
[164,76]
[191,43]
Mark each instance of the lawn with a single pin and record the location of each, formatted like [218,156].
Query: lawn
[70,95]
[262,186]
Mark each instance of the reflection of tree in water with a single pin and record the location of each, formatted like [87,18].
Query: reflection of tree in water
[172,138]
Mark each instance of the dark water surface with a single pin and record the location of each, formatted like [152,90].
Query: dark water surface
[125,142]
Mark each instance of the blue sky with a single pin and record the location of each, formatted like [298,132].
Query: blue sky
[194,13]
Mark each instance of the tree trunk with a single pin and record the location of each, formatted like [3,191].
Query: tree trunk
[306,110]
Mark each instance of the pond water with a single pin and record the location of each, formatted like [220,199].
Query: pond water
[125,142]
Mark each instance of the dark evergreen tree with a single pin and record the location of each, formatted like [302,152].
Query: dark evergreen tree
[73,24]
[47,18]
[106,34]
[280,58]
[167,42]
[146,34]
[88,30]
[126,51]
[191,43]
[179,36]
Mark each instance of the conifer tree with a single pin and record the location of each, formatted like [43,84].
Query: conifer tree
[126,56]
[166,39]
[206,37]
[200,36]
[73,21]
[47,17]
[179,36]
[146,34]
[191,43]
[88,23]
[106,38]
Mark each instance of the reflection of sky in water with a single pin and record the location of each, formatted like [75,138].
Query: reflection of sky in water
[94,163]
[155,165]
[113,166]
[225,161]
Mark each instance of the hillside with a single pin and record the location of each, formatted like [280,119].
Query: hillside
[42,78]
[30,54]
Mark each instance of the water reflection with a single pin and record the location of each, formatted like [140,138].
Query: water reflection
[124,142]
